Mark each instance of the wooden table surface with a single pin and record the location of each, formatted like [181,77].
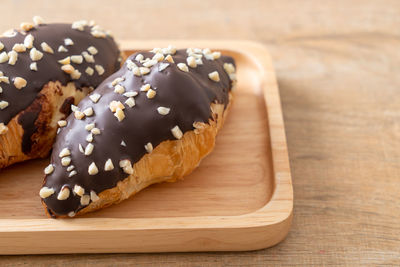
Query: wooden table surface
[338,65]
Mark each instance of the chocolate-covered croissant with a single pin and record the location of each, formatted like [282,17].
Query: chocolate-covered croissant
[44,68]
[151,121]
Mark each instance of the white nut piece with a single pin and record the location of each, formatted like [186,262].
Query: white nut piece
[162,66]
[3,57]
[65,61]
[93,196]
[146,87]
[214,76]
[126,166]
[169,59]
[85,200]
[35,54]
[191,61]
[68,42]
[62,48]
[65,161]
[183,67]
[62,123]
[12,57]
[3,104]
[89,71]
[163,110]
[119,89]
[92,50]
[109,166]
[79,115]
[72,173]
[77,59]
[148,147]
[89,126]
[46,48]
[89,149]
[119,114]
[151,94]
[100,70]
[64,152]
[117,81]
[176,132]
[92,170]
[19,48]
[89,138]
[130,102]
[95,131]
[63,194]
[88,112]
[68,68]
[33,66]
[116,104]
[19,82]
[49,169]
[70,168]
[79,190]
[95,97]
[229,68]
[45,192]
[37,20]
[26,26]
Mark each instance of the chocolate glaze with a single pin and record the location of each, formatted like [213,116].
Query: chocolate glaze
[188,95]
[48,69]
[27,120]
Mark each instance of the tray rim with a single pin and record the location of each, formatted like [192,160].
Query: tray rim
[276,214]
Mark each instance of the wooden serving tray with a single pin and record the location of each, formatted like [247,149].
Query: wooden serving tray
[240,198]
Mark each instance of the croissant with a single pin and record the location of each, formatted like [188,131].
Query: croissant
[151,121]
[45,68]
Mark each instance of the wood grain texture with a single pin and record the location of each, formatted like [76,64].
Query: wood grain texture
[337,64]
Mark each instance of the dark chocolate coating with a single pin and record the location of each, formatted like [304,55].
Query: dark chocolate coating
[48,69]
[188,95]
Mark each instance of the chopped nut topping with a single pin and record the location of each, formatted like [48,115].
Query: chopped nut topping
[89,138]
[72,173]
[85,200]
[115,104]
[229,68]
[3,128]
[88,112]
[65,61]
[130,94]
[61,48]
[183,67]
[93,169]
[35,54]
[130,65]
[19,48]
[98,34]
[10,33]
[62,123]
[92,50]
[49,169]
[26,26]
[130,102]
[150,63]
[232,76]
[78,59]
[45,192]
[76,74]
[37,20]
[99,69]
[89,149]
[139,57]
[64,193]
[89,127]
[216,55]
[149,147]
[70,168]
[3,57]
[151,94]
[68,42]
[119,89]
[68,68]
[89,71]
[79,25]
[64,152]
[3,104]
[169,59]
[79,115]
[136,71]
[12,57]
[214,76]
[146,87]
[158,57]
[169,50]
[81,148]
[123,143]
[176,132]
[162,66]
[95,97]
[108,166]
[28,41]
[191,61]
[4,79]
[74,108]
[71,213]
[199,61]
[95,131]
[93,196]
[79,190]
[33,66]
[144,70]
[163,110]
[65,161]
[46,48]
[119,114]
[117,81]
[19,82]
[126,166]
